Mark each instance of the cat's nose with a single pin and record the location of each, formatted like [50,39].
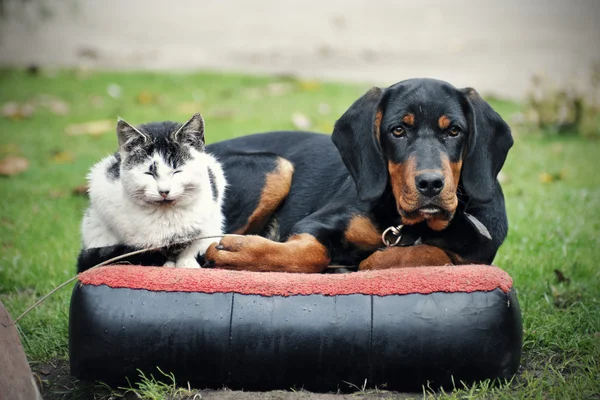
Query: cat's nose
[164,193]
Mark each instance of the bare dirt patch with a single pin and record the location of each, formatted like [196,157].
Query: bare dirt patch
[56,383]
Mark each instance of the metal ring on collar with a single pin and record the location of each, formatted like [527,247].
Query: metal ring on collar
[395,231]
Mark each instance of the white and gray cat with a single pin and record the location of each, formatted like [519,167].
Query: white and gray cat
[159,189]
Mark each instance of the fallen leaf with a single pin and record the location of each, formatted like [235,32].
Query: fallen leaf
[146,97]
[547,177]
[301,121]
[81,190]
[59,107]
[13,165]
[560,277]
[309,86]
[114,90]
[278,88]
[62,157]
[16,111]
[52,103]
[27,110]
[91,128]
[10,109]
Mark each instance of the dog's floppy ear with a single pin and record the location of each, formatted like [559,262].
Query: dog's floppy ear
[356,136]
[488,144]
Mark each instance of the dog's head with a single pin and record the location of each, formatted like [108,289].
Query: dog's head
[423,137]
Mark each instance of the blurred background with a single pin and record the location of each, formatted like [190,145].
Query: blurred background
[494,46]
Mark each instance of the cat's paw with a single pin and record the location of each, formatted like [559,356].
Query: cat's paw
[187,263]
[169,264]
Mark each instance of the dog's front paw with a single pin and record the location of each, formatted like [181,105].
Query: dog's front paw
[374,261]
[238,253]
[406,257]
[187,263]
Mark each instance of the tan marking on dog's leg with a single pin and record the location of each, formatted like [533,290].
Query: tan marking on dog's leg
[277,186]
[362,233]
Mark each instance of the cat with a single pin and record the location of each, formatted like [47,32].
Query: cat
[161,188]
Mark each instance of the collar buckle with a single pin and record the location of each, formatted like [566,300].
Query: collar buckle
[392,236]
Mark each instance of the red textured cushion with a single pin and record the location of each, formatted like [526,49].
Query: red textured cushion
[424,280]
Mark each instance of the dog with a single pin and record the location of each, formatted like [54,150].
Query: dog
[413,182]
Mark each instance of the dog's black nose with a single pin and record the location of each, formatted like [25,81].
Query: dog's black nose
[430,183]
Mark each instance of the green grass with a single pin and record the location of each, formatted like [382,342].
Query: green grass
[553,226]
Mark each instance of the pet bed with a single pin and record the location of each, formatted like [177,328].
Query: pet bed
[397,328]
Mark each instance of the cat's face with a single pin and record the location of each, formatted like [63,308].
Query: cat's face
[159,162]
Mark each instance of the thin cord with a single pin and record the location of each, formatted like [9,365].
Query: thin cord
[56,289]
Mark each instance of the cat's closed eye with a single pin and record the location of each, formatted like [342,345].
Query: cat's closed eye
[176,172]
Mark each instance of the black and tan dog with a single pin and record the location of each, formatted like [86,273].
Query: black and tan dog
[421,154]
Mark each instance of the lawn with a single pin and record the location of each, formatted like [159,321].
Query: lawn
[551,184]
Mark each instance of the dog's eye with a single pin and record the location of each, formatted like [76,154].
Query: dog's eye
[453,131]
[399,131]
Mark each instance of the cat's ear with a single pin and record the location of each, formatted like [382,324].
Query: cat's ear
[192,132]
[129,135]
